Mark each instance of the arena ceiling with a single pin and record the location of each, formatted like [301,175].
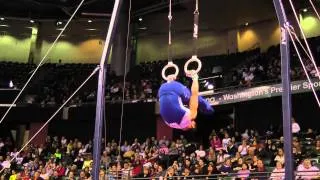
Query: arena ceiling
[40,9]
[212,11]
[44,9]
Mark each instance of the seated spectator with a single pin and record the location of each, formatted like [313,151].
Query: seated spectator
[221,157]
[211,170]
[211,155]
[187,164]
[6,164]
[261,151]
[295,126]
[113,172]
[243,173]
[164,141]
[202,166]
[36,176]
[278,172]
[259,171]
[200,152]
[231,149]
[238,166]
[310,134]
[186,174]
[253,164]
[280,156]
[14,175]
[247,79]
[216,143]
[225,141]
[226,168]
[79,162]
[317,146]
[170,173]
[126,170]
[243,148]
[44,175]
[307,171]
[145,173]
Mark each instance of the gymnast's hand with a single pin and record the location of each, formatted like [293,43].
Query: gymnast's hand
[192,74]
[171,77]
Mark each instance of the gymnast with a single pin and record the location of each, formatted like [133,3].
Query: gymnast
[174,95]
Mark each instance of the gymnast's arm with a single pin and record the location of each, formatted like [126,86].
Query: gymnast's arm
[185,94]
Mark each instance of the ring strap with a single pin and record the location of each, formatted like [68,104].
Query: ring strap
[196,28]
[170,28]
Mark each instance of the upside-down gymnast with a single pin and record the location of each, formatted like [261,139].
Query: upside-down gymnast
[174,95]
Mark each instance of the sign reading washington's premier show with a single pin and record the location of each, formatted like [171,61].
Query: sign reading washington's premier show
[267,91]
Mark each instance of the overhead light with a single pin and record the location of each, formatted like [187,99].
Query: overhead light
[4,25]
[143,28]
[59,23]
[2,19]
[210,87]
[140,19]
[89,21]
[59,29]
[32,21]
[91,29]
[246,24]
[305,10]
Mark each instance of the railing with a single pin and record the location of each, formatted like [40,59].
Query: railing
[230,176]
[251,175]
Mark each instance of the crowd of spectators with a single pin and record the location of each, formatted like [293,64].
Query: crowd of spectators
[266,67]
[230,154]
[54,83]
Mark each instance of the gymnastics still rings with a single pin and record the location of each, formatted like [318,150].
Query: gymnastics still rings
[170,65]
[193,59]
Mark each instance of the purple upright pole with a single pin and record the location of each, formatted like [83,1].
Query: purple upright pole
[100,108]
[286,95]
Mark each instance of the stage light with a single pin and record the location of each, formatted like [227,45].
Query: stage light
[140,19]
[89,21]
[305,10]
[246,24]
[210,87]
[32,21]
[2,19]
[11,84]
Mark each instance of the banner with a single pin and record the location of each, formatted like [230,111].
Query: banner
[261,92]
